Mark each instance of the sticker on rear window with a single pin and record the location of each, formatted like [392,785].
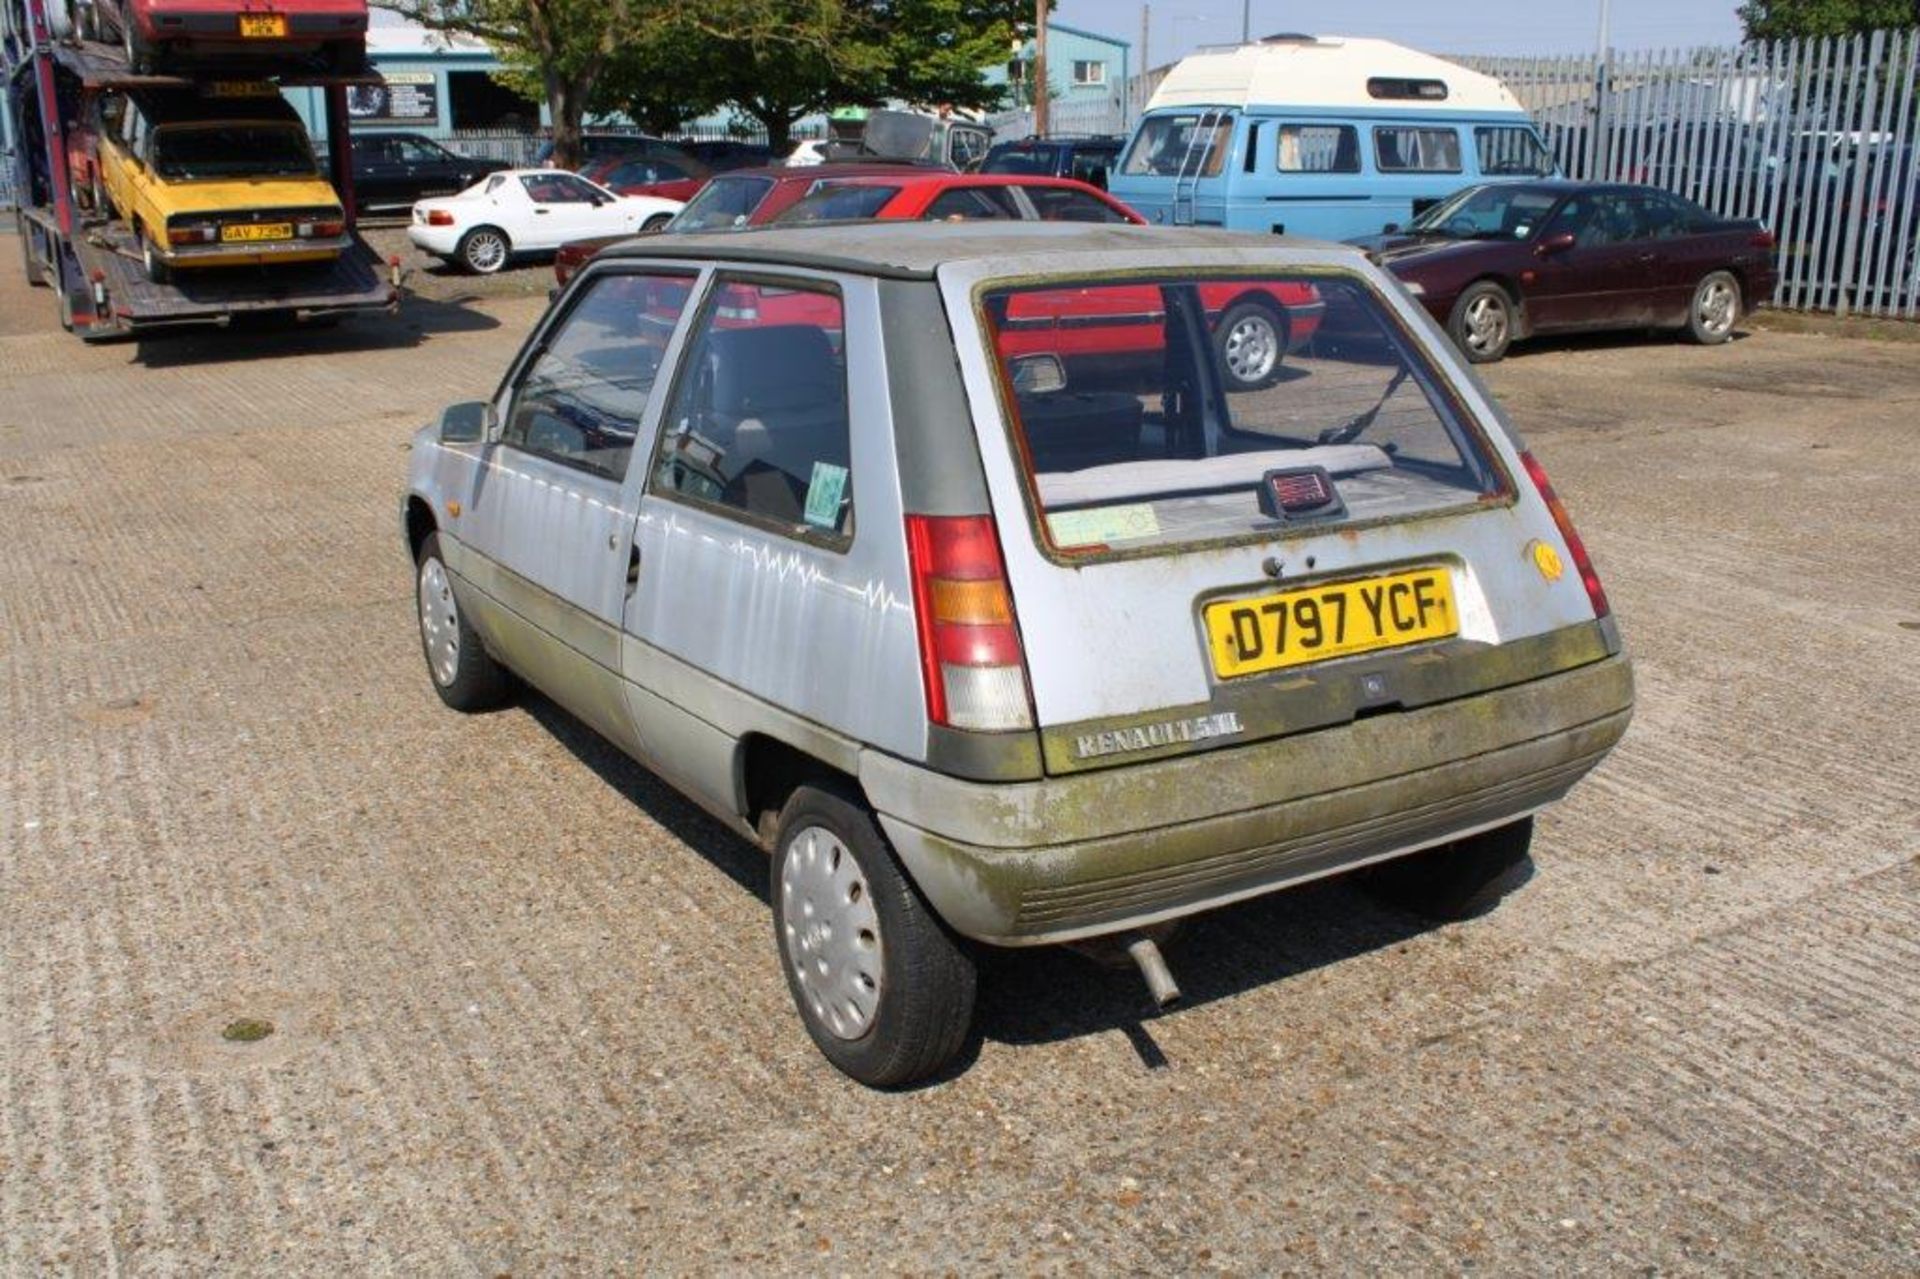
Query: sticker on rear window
[824,492]
[1104,525]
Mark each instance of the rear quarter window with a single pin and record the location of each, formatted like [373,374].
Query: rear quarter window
[1146,414]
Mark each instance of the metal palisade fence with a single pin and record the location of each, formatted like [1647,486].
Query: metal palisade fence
[1816,138]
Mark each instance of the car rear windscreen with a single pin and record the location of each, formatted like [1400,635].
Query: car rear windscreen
[1199,409]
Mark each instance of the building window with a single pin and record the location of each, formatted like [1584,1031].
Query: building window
[1087,72]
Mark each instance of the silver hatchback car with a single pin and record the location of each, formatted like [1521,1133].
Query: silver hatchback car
[1022,585]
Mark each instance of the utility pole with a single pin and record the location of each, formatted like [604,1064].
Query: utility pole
[1246,21]
[1134,101]
[1602,148]
[1038,84]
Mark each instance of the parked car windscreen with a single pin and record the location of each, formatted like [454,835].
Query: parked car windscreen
[188,152]
[1498,212]
[1122,414]
[837,203]
[1186,142]
[722,202]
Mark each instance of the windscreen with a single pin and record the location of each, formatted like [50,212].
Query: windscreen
[1198,409]
[839,203]
[723,202]
[1180,144]
[1500,212]
[232,150]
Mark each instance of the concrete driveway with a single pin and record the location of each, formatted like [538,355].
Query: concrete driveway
[526,1015]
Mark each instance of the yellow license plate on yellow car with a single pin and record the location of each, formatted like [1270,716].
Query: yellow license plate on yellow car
[1337,619]
[263,26]
[242,233]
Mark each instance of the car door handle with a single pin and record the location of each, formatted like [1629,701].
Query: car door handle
[540,213]
[633,570]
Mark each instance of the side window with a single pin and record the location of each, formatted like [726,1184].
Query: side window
[558,188]
[966,148]
[415,151]
[758,422]
[582,399]
[971,204]
[1318,148]
[1059,204]
[1511,151]
[1596,220]
[1091,167]
[1407,149]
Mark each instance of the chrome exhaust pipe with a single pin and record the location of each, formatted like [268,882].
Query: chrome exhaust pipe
[1153,966]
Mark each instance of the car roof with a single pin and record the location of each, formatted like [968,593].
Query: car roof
[916,250]
[921,177]
[838,170]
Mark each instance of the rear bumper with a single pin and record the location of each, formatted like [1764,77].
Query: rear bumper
[259,253]
[1074,857]
[438,240]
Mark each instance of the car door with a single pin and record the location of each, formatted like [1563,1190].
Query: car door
[378,178]
[549,514]
[768,522]
[562,207]
[429,170]
[1597,280]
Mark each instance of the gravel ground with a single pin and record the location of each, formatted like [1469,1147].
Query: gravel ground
[525,1012]
[429,277]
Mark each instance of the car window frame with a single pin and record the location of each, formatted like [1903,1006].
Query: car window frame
[1404,170]
[694,319]
[1350,131]
[556,318]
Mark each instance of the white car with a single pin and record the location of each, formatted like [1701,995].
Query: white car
[528,211]
[812,151]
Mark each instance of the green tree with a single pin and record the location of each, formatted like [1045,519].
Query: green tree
[861,52]
[561,48]
[1788,19]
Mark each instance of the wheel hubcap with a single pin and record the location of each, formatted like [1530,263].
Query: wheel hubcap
[1716,306]
[1252,347]
[439,622]
[486,252]
[832,932]
[1486,324]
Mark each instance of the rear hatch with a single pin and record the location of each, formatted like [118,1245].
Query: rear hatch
[1235,505]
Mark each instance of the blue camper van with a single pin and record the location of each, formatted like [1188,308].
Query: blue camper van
[1320,136]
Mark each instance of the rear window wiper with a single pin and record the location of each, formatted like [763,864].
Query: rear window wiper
[1357,426]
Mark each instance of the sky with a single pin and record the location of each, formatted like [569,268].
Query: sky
[1437,26]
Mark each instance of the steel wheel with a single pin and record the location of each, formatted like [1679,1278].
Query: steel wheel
[484,250]
[1249,346]
[1716,308]
[439,622]
[832,932]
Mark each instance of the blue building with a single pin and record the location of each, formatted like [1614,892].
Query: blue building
[1087,74]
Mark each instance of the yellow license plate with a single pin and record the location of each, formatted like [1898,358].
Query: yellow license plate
[1339,619]
[263,26]
[244,232]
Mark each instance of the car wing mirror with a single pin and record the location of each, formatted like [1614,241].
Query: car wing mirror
[467,423]
[1039,375]
[1559,242]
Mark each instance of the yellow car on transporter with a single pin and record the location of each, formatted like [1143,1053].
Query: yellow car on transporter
[213,181]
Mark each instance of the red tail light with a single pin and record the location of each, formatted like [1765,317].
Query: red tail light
[439,217]
[970,657]
[194,233]
[1575,547]
[1762,240]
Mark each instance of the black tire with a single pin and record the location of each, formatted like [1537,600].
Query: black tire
[156,266]
[1458,880]
[924,989]
[1250,344]
[1714,309]
[476,251]
[472,681]
[1482,321]
[657,221]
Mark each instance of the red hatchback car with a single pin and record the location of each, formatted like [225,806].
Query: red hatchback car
[748,197]
[653,169]
[168,35]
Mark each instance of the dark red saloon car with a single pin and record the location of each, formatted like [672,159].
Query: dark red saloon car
[1508,261]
